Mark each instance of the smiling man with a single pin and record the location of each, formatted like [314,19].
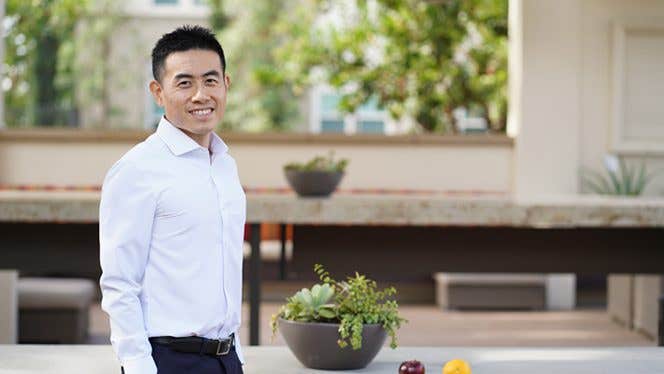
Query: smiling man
[171,224]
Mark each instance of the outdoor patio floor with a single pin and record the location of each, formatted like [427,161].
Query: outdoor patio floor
[430,326]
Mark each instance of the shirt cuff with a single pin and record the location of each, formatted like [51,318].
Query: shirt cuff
[140,365]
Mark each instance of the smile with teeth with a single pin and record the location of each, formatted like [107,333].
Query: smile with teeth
[201,112]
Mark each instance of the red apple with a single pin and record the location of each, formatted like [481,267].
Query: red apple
[411,367]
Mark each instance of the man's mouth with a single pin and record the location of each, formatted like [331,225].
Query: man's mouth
[201,113]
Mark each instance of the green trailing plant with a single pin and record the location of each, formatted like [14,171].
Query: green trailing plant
[351,303]
[620,178]
[320,163]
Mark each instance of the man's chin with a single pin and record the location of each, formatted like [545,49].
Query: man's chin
[199,128]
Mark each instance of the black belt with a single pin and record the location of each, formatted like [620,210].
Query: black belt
[196,344]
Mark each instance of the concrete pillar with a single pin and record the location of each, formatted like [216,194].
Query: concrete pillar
[544,112]
[545,62]
[620,298]
[647,290]
[8,306]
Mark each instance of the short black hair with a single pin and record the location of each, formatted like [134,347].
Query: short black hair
[183,39]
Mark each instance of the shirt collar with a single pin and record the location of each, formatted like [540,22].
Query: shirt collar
[179,143]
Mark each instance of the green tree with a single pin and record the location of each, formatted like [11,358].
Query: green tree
[418,58]
[259,99]
[35,58]
[44,45]
[90,62]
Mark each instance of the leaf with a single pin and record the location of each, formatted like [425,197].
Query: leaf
[304,297]
[626,175]
[617,187]
[641,180]
[325,294]
[315,291]
[595,181]
[326,313]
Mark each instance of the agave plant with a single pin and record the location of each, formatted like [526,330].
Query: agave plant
[310,305]
[620,178]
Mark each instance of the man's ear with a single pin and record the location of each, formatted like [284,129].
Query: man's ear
[156,90]
[227,81]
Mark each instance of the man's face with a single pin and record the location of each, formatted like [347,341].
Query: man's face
[192,90]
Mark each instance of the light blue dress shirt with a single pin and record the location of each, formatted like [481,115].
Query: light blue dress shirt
[171,229]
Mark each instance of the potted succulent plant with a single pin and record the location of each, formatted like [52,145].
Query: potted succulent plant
[338,325]
[319,176]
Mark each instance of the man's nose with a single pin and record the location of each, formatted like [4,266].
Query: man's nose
[200,95]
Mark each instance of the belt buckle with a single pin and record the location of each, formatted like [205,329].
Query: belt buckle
[219,347]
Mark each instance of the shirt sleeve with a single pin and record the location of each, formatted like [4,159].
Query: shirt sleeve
[126,214]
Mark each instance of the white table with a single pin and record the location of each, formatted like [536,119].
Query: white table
[86,359]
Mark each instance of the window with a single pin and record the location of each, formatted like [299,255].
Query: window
[370,119]
[371,127]
[326,117]
[332,126]
[331,121]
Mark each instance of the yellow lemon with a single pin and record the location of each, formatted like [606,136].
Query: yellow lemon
[456,366]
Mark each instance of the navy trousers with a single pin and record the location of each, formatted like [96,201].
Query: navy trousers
[169,361]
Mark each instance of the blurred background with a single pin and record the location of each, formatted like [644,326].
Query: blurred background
[297,66]
[469,99]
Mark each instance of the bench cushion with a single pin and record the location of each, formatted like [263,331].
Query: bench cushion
[497,279]
[55,293]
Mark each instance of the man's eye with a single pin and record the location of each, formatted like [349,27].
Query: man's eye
[184,84]
[211,81]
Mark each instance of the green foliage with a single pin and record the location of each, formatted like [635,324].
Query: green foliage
[37,55]
[219,20]
[357,301]
[620,178]
[42,58]
[320,163]
[259,99]
[418,58]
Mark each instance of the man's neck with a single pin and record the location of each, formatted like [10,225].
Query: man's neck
[202,139]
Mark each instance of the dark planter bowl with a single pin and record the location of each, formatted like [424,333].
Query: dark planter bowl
[315,345]
[313,183]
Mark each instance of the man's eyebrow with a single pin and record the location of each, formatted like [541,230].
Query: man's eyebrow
[213,73]
[182,76]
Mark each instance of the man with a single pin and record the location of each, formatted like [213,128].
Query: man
[171,224]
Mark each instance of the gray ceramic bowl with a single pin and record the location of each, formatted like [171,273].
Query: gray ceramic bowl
[313,183]
[315,345]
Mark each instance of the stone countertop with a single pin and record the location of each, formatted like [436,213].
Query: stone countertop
[420,209]
[100,359]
